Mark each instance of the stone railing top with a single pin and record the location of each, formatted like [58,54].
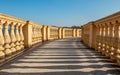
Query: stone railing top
[113,17]
[4,17]
[34,24]
[53,27]
[68,28]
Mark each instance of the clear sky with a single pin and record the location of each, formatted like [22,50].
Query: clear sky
[59,12]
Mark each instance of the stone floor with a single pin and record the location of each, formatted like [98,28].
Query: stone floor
[61,57]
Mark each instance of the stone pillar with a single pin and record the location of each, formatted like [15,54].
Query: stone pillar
[27,30]
[44,33]
[73,32]
[48,33]
[59,33]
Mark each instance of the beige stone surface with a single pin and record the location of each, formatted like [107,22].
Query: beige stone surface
[61,57]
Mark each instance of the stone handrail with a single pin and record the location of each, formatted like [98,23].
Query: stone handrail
[104,36]
[16,35]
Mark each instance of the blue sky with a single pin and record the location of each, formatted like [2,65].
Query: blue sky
[59,12]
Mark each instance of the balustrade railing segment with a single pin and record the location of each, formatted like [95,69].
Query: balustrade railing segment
[53,33]
[11,36]
[104,35]
[68,32]
[36,33]
[16,35]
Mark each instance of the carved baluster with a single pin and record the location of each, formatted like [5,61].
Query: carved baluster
[2,54]
[39,33]
[115,41]
[110,37]
[103,39]
[100,40]
[13,38]
[112,47]
[107,40]
[7,39]
[36,34]
[34,38]
[22,37]
[118,46]
[17,37]
[103,30]
[32,34]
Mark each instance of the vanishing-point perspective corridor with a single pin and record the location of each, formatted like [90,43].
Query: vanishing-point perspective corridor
[61,57]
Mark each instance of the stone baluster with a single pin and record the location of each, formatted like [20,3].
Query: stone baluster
[103,39]
[97,38]
[33,34]
[2,54]
[7,39]
[13,38]
[21,37]
[36,34]
[33,37]
[115,41]
[110,37]
[17,37]
[40,33]
[100,41]
[107,40]
[118,46]
[112,40]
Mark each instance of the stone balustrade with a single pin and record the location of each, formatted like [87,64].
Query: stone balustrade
[104,36]
[68,32]
[16,35]
[52,33]
[11,36]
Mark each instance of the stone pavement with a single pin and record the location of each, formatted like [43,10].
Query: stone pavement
[61,57]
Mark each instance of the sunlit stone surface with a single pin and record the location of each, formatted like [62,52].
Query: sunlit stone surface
[61,57]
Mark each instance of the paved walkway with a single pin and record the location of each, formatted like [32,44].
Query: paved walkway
[61,57]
